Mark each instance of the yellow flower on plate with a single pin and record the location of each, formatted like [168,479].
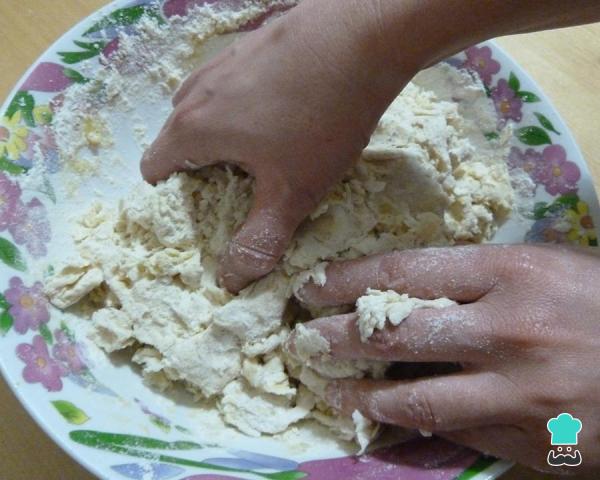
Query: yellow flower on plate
[12,136]
[42,114]
[582,225]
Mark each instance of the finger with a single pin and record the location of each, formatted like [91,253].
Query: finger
[263,238]
[193,83]
[185,88]
[436,404]
[464,274]
[174,150]
[452,334]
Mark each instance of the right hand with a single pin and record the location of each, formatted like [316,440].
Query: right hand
[526,335]
[292,104]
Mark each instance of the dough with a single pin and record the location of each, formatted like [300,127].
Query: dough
[377,307]
[146,267]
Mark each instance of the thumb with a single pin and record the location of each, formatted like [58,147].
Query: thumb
[262,240]
[176,148]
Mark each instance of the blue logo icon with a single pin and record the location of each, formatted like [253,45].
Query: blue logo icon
[564,430]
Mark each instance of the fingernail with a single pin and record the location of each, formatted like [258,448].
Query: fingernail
[333,395]
[307,295]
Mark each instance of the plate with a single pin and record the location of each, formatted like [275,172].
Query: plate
[97,409]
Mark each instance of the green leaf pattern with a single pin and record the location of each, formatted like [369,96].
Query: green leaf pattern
[136,446]
[7,166]
[528,97]
[70,412]
[124,17]
[10,255]
[90,50]
[6,322]
[23,102]
[515,84]
[544,122]
[533,136]
[46,334]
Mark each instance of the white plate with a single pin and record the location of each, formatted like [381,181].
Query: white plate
[78,395]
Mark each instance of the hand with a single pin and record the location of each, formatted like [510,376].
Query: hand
[527,335]
[292,104]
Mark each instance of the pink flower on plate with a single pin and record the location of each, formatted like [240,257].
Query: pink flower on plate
[10,197]
[479,59]
[31,227]
[558,174]
[41,141]
[507,102]
[40,368]
[29,307]
[69,353]
[47,77]
[182,7]
[110,49]
[530,160]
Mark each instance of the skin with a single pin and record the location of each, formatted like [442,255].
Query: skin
[293,104]
[526,334]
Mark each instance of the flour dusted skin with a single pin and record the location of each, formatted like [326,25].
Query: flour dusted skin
[146,267]
[311,353]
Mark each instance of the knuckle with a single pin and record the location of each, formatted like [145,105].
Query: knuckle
[557,397]
[302,193]
[379,344]
[390,271]
[420,412]
[525,330]
[181,119]
[524,262]
[252,255]
[548,399]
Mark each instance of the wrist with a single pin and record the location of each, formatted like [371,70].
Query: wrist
[420,33]
[344,35]
[423,32]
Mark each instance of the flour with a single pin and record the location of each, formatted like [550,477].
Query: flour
[146,267]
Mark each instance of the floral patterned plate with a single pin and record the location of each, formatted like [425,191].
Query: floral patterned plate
[97,409]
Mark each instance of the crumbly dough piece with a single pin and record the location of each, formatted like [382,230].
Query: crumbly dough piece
[147,267]
[72,283]
[269,377]
[254,412]
[112,329]
[376,308]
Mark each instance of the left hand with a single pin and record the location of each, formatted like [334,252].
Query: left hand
[527,335]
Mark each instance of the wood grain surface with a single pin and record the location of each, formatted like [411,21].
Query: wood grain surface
[565,63]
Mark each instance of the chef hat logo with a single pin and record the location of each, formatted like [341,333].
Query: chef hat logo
[564,429]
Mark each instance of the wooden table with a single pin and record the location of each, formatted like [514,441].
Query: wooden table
[566,64]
